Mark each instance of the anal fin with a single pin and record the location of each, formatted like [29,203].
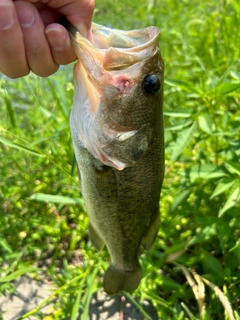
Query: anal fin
[152,231]
[95,238]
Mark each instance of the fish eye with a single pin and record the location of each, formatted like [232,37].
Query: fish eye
[151,84]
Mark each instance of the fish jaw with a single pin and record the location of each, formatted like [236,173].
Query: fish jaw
[103,77]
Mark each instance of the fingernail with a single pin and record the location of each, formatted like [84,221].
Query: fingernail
[56,39]
[83,30]
[26,16]
[90,36]
[6,15]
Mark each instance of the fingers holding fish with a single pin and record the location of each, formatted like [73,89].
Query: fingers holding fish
[37,49]
[31,37]
[77,12]
[13,61]
[60,44]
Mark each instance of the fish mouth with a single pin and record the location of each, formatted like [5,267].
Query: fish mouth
[114,49]
[112,52]
[111,66]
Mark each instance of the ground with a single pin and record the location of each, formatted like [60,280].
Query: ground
[30,293]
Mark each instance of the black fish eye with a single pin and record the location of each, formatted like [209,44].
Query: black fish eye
[151,84]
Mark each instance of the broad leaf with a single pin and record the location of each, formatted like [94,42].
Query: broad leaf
[233,167]
[226,88]
[179,126]
[55,199]
[181,113]
[206,171]
[205,123]
[222,185]
[181,85]
[182,141]
[231,201]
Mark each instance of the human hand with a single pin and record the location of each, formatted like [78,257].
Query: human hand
[31,37]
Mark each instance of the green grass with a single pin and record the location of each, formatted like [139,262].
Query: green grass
[192,272]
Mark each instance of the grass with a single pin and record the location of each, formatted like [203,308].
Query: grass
[192,272]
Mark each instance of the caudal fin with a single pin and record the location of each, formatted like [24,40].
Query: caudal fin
[116,280]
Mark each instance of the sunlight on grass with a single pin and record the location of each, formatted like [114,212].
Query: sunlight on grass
[192,271]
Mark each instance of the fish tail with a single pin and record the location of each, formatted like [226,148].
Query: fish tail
[116,280]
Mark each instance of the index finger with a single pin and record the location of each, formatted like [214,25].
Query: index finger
[78,13]
[13,61]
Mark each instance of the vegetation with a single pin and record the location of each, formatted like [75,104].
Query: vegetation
[193,270]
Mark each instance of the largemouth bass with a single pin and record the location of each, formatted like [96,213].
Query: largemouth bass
[117,130]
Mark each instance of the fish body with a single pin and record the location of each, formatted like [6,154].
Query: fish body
[117,130]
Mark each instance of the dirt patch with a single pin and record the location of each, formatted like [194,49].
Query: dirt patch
[30,293]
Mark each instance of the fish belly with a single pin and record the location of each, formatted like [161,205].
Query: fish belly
[123,210]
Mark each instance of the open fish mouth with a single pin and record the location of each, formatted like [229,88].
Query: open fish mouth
[107,74]
[114,49]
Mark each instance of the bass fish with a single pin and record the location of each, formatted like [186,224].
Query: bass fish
[117,130]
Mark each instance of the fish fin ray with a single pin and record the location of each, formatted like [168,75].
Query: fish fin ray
[95,238]
[152,231]
[116,280]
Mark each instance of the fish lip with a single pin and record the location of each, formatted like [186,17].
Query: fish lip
[151,33]
[149,36]
[107,56]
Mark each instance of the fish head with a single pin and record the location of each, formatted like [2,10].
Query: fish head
[118,93]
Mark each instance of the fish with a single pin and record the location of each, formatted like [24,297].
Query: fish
[117,131]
